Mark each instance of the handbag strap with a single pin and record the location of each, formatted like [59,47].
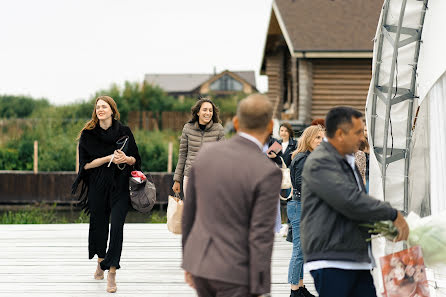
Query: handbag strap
[283,163]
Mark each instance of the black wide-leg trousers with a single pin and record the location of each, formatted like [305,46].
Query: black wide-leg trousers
[101,210]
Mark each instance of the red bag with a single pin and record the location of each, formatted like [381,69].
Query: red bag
[404,274]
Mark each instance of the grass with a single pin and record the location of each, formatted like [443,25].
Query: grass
[49,214]
[158,217]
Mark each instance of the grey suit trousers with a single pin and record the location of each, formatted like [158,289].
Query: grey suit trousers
[213,288]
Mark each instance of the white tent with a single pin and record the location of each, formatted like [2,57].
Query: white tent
[408,166]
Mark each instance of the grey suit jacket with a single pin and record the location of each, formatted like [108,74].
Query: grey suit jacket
[229,214]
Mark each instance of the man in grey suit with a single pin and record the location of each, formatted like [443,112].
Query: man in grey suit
[229,213]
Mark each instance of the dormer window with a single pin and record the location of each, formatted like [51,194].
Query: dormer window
[226,83]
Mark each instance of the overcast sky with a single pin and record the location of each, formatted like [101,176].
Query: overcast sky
[66,50]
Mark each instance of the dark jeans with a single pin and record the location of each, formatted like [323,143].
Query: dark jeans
[213,288]
[333,282]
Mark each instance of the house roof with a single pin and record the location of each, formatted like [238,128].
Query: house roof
[249,76]
[328,25]
[177,82]
[190,82]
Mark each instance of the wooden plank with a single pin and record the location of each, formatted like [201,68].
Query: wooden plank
[339,82]
[52,260]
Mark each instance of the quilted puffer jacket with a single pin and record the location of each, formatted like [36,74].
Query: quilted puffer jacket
[192,138]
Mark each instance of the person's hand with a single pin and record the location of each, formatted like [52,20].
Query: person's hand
[120,157]
[188,279]
[271,155]
[176,187]
[402,227]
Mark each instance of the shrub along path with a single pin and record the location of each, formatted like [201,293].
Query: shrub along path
[52,260]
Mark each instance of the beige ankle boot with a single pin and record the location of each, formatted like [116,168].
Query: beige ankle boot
[111,282]
[99,274]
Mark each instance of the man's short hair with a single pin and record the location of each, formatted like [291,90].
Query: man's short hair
[340,116]
[254,112]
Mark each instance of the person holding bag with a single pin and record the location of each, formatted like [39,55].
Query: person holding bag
[107,154]
[204,127]
[288,145]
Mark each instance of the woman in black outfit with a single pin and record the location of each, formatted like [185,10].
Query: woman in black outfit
[288,145]
[104,170]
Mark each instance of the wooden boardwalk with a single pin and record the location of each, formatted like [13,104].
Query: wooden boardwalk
[52,261]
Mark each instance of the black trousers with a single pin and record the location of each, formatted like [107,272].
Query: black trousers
[101,210]
[333,282]
[213,288]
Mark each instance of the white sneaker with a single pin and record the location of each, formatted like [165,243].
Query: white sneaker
[284,230]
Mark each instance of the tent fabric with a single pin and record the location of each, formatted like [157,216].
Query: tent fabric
[432,61]
[437,144]
[427,170]
[395,171]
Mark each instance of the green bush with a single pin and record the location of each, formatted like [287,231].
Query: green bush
[20,106]
[153,149]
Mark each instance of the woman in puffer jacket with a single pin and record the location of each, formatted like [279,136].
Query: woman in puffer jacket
[204,127]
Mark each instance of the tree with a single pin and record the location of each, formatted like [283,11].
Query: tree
[20,106]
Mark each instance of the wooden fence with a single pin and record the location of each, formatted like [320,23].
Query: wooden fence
[26,187]
[169,120]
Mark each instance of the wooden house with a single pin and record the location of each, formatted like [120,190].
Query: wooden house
[318,54]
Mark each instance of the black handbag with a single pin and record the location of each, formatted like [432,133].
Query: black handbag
[142,194]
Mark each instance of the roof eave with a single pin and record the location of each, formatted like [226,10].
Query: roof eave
[352,54]
[282,27]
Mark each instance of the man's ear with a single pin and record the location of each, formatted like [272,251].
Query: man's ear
[270,127]
[235,122]
[339,134]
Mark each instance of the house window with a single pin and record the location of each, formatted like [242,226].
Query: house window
[226,83]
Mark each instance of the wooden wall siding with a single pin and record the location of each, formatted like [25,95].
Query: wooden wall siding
[305,77]
[340,82]
[294,86]
[274,71]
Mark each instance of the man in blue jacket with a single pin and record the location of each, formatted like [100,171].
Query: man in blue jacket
[334,204]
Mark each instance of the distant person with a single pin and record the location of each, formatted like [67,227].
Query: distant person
[365,147]
[230,209]
[105,189]
[288,145]
[204,126]
[334,203]
[361,161]
[310,139]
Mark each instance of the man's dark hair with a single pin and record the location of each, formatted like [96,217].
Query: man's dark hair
[339,116]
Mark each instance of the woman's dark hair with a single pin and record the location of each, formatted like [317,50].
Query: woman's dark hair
[340,116]
[288,128]
[196,108]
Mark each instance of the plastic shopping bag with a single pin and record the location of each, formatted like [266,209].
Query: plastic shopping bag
[174,214]
[404,274]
